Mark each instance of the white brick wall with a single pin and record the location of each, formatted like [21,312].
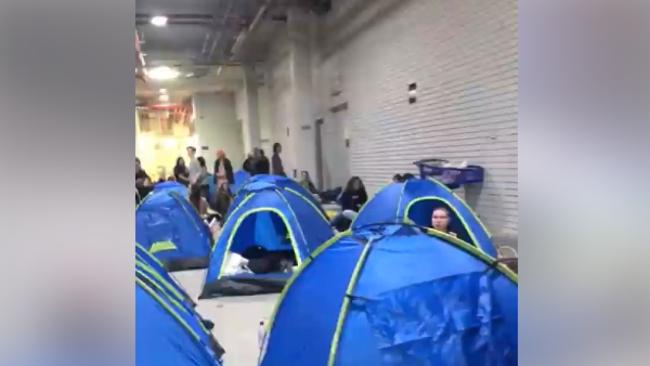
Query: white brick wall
[463,56]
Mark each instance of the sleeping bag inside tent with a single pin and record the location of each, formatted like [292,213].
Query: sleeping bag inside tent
[395,295]
[170,228]
[414,201]
[272,229]
[168,329]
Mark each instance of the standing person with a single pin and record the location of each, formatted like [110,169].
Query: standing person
[223,170]
[195,167]
[203,180]
[276,161]
[249,164]
[352,199]
[262,165]
[181,173]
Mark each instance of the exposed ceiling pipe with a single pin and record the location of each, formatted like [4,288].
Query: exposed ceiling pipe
[241,37]
[217,38]
[140,63]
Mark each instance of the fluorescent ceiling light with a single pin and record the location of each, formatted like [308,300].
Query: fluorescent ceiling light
[164,98]
[162,91]
[189,75]
[162,73]
[159,20]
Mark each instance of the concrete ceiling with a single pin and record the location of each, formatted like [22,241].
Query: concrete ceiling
[199,32]
[198,41]
[228,79]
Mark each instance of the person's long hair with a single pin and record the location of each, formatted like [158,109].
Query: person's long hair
[276,146]
[349,188]
[201,161]
[195,196]
[180,161]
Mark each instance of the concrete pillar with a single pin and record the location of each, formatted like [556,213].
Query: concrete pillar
[250,119]
[301,112]
[216,127]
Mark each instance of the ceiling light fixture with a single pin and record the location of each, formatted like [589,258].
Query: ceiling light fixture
[159,20]
[189,75]
[164,98]
[162,73]
[162,91]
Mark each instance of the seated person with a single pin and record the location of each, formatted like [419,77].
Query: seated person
[198,201]
[306,183]
[142,181]
[440,221]
[352,199]
[221,201]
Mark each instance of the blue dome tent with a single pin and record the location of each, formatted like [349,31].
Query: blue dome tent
[287,184]
[395,295]
[169,227]
[171,186]
[241,176]
[149,266]
[414,200]
[168,330]
[274,219]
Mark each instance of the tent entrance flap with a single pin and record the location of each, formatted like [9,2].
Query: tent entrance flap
[265,238]
[419,211]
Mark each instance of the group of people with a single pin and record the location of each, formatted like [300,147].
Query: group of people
[257,162]
[195,175]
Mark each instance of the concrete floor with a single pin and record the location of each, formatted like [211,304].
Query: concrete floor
[236,319]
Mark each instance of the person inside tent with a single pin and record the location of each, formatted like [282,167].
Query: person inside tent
[352,199]
[276,161]
[440,219]
[306,183]
[194,168]
[181,173]
[223,170]
[260,260]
